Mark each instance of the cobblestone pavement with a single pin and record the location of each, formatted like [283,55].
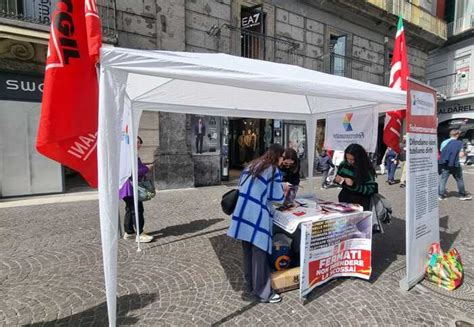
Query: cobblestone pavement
[51,269]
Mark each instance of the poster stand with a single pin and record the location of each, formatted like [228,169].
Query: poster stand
[422,212]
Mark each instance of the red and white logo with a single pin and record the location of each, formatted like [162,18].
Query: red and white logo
[63,44]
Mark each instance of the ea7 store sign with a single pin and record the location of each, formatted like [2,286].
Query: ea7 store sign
[346,128]
[21,87]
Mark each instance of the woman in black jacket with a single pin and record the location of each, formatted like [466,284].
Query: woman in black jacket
[290,168]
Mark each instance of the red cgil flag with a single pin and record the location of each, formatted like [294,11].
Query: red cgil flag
[399,73]
[94,35]
[69,114]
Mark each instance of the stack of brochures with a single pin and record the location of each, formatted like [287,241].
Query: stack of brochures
[339,206]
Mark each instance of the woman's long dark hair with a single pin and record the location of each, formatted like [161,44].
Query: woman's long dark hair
[290,153]
[363,169]
[269,158]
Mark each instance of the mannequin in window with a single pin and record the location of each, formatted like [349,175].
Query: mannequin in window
[241,143]
[254,142]
[199,131]
[267,136]
[249,147]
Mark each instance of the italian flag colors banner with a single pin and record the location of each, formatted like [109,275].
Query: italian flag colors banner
[399,73]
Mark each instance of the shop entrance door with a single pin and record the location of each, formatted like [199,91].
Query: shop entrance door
[23,170]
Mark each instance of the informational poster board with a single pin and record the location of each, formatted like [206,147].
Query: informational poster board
[205,136]
[345,128]
[335,247]
[422,215]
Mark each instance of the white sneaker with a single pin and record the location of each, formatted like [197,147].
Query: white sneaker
[465,197]
[275,298]
[127,236]
[145,238]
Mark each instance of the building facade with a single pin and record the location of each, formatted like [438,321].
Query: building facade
[449,70]
[348,38]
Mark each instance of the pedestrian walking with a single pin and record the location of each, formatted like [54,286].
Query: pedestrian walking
[324,165]
[126,194]
[402,158]
[391,162]
[356,175]
[252,221]
[449,165]
[337,158]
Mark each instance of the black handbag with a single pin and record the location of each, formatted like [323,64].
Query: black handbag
[229,199]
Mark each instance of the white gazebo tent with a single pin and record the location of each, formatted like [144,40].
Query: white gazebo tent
[209,84]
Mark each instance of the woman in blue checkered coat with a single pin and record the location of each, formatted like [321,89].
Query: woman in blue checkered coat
[252,220]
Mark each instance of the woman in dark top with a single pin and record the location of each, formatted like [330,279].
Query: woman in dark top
[356,175]
[290,168]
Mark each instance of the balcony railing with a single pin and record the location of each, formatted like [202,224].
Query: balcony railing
[461,25]
[352,67]
[37,14]
[414,14]
[245,43]
[250,44]
[452,85]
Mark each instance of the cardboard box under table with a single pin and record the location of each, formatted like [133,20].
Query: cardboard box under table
[286,280]
[333,244]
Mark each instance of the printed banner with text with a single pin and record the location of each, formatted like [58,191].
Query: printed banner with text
[422,215]
[335,247]
[344,128]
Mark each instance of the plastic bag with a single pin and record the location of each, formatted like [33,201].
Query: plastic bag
[146,190]
[444,269]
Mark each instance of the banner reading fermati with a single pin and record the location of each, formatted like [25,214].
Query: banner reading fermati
[344,128]
[335,247]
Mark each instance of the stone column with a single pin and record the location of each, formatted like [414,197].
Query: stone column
[174,166]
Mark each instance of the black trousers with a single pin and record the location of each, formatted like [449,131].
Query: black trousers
[199,140]
[129,219]
[352,197]
[324,177]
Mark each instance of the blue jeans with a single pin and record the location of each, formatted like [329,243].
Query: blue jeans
[392,167]
[457,174]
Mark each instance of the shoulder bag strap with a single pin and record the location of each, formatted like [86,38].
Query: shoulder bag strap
[246,177]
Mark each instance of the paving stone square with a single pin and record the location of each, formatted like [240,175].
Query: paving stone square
[51,271]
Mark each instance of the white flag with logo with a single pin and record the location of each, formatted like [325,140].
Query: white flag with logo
[125,163]
[125,144]
[344,128]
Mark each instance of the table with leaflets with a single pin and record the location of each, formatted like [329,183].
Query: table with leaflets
[336,240]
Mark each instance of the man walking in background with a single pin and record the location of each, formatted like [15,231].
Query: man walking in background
[449,164]
[402,159]
[324,164]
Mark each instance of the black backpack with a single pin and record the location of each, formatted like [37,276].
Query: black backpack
[381,210]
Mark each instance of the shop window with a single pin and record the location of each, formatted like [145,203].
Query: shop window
[295,135]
